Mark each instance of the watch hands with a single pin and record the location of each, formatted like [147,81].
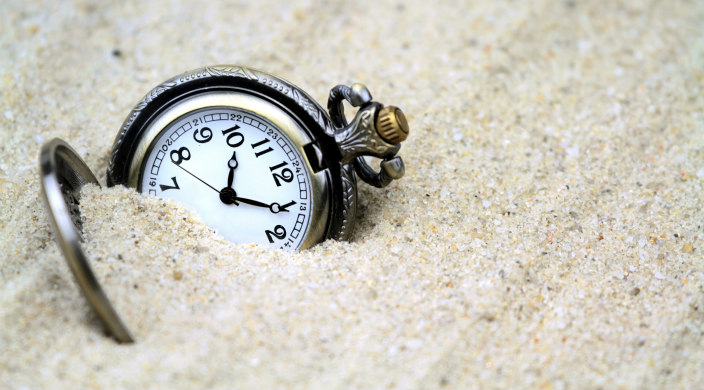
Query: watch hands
[232,164]
[229,196]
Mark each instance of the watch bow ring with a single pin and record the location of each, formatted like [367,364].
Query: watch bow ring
[378,138]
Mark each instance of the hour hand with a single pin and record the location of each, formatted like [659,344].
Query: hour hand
[232,164]
[228,194]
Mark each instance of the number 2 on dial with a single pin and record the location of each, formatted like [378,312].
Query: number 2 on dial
[279,232]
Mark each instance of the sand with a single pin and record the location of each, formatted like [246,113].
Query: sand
[548,232]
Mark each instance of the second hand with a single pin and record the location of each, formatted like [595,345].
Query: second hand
[201,180]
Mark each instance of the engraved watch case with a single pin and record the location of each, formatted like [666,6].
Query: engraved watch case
[335,148]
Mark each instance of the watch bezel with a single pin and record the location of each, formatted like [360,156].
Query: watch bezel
[299,138]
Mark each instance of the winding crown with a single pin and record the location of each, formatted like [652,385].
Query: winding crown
[391,124]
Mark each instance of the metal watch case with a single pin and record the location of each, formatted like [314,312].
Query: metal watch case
[333,148]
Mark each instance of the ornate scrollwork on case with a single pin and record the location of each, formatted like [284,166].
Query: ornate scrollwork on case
[361,138]
[233,71]
[154,93]
[282,86]
[348,209]
[375,131]
[132,116]
[313,110]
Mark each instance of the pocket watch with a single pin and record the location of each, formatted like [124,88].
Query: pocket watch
[255,156]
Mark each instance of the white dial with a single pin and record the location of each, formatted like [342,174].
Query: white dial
[242,174]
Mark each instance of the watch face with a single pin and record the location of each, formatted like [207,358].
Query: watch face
[242,174]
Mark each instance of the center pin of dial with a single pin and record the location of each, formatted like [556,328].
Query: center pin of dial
[228,195]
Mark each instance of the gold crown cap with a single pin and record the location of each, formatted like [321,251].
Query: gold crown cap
[391,124]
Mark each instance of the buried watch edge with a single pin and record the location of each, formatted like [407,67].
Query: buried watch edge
[63,173]
[335,151]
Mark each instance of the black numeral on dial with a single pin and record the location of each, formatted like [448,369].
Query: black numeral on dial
[165,187]
[279,232]
[234,138]
[205,135]
[285,173]
[180,155]
[263,151]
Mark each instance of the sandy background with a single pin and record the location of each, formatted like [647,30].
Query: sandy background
[548,232]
